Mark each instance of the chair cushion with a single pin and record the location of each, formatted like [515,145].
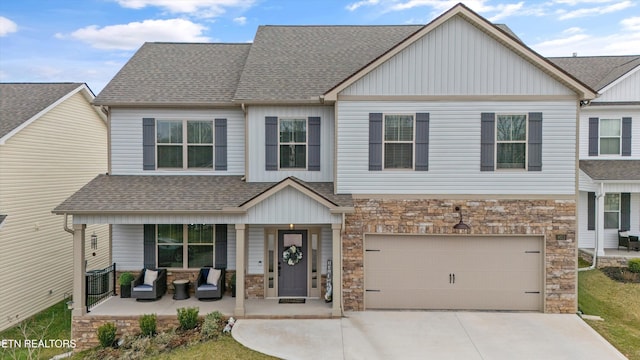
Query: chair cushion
[143,287]
[150,276]
[624,233]
[206,287]
[213,277]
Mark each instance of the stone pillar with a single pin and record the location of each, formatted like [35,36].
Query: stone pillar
[336,308]
[240,264]
[79,271]
[600,224]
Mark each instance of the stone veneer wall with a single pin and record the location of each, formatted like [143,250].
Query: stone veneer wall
[613,261]
[435,216]
[254,286]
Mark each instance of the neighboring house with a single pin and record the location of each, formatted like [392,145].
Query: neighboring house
[609,148]
[357,143]
[52,142]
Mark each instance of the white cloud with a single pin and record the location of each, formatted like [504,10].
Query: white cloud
[632,23]
[506,10]
[577,2]
[200,8]
[240,20]
[596,10]
[573,30]
[354,6]
[7,26]
[131,36]
[587,45]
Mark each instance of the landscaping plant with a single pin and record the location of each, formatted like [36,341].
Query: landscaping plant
[148,324]
[634,265]
[107,334]
[212,325]
[188,318]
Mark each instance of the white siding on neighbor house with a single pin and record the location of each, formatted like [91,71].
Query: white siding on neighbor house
[126,139]
[41,166]
[457,58]
[626,90]
[128,247]
[586,184]
[586,238]
[454,150]
[290,206]
[609,113]
[255,249]
[256,142]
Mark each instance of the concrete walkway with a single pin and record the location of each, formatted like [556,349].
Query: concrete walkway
[427,334]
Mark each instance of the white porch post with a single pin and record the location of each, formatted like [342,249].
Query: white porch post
[79,270]
[600,224]
[240,256]
[336,308]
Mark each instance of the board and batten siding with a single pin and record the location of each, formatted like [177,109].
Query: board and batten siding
[609,113]
[255,249]
[626,90]
[457,58]
[256,142]
[126,139]
[41,166]
[454,150]
[290,206]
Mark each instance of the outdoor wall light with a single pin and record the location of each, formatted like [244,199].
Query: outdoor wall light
[460,225]
[291,226]
[94,241]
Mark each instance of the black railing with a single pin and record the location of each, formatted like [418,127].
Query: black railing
[100,284]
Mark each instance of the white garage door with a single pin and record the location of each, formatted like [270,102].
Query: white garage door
[430,272]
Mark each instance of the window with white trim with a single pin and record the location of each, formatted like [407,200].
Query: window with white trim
[610,136]
[185,246]
[292,143]
[398,136]
[612,211]
[173,147]
[511,141]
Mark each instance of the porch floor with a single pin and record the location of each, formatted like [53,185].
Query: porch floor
[254,308]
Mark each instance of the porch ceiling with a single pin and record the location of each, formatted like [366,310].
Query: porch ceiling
[616,170]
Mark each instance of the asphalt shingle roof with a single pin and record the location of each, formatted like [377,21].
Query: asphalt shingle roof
[611,169]
[174,73]
[130,193]
[19,102]
[597,71]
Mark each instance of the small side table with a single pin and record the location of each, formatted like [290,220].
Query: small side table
[181,289]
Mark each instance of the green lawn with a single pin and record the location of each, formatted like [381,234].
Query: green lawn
[618,304]
[225,348]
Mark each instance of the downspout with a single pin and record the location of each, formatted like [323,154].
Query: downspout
[595,251]
[66,228]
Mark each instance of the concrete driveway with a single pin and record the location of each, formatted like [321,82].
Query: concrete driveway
[427,335]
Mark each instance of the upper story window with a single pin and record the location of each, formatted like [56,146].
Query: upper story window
[193,151]
[398,141]
[612,211]
[610,136]
[185,246]
[293,143]
[511,141]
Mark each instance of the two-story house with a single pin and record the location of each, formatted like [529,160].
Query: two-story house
[609,149]
[434,165]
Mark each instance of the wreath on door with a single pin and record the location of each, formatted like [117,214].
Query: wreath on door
[292,255]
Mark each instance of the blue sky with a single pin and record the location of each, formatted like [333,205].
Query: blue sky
[90,40]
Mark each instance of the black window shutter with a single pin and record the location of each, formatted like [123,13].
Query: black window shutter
[593,136]
[422,142]
[487,141]
[221,144]
[535,142]
[271,143]
[149,246]
[375,141]
[314,144]
[591,211]
[148,144]
[221,246]
[626,136]
[625,211]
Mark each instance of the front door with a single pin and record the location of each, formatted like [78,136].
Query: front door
[292,263]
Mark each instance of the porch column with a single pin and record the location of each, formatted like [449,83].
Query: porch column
[600,224]
[79,270]
[240,256]
[336,308]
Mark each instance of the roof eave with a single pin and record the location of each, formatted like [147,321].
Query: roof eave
[166,104]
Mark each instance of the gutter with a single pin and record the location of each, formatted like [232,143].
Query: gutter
[595,251]
[66,228]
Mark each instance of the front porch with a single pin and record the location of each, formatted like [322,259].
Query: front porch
[611,257]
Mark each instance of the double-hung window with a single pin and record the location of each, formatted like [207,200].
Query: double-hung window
[511,142]
[185,144]
[293,143]
[610,136]
[398,141]
[612,211]
[186,246]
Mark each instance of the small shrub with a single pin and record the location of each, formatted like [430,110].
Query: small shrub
[188,318]
[107,334]
[148,324]
[126,278]
[213,325]
[634,265]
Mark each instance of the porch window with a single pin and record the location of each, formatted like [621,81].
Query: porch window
[610,136]
[188,246]
[173,147]
[398,141]
[511,141]
[293,143]
[612,211]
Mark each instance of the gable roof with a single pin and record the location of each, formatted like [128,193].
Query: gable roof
[598,71]
[22,103]
[627,170]
[166,74]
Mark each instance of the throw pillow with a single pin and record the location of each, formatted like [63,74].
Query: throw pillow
[150,276]
[214,275]
[624,234]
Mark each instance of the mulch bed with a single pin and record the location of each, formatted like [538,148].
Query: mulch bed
[621,274]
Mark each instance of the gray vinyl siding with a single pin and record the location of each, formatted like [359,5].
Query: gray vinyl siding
[231,247]
[609,113]
[255,249]
[626,90]
[128,247]
[457,59]
[326,244]
[127,147]
[454,150]
[256,142]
